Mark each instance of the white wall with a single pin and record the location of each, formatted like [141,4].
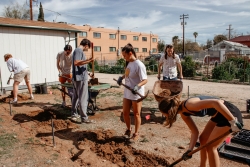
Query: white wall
[37,48]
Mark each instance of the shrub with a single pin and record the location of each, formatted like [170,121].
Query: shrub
[188,67]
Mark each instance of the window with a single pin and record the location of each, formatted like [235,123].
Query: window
[112,36]
[136,49]
[83,34]
[97,35]
[97,48]
[135,38]
[144,38]
[144,49]
[154,50]
[154,40]
[123,37]
[112,49]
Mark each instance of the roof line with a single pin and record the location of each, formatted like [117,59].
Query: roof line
[38,27]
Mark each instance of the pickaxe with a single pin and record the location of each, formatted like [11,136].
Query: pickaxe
[126,86]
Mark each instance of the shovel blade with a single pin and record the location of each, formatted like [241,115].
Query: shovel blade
[94,81]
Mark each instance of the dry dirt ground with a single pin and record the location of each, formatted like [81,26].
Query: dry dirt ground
[26,138]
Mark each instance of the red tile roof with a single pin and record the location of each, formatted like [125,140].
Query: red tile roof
[241,38]
[10,22]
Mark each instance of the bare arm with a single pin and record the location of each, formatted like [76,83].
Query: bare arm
[82,62]
[143,82]
[194,130]
[57,64]
[159,68]
[180,69]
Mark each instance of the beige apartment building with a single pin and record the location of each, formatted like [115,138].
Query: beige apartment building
[108,43]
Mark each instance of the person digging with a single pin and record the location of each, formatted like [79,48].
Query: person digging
[225,117]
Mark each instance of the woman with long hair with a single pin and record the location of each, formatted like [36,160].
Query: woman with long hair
[224,116]
[169,62]
[135,77]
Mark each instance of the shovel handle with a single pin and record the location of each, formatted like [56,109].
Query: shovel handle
[201,147]
[92,54]
[126,86]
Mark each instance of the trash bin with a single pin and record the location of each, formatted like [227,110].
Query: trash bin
[41,88]
[248,105]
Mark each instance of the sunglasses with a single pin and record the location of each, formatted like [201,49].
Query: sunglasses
[169,46]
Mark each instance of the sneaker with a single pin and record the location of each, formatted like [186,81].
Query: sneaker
[88,121]
[63,104]
[13,102]
[134,138]
[128,132]
[74,117]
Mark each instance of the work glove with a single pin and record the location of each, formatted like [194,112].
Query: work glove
[119,81]
[235,125]
[136,88]
[185,156]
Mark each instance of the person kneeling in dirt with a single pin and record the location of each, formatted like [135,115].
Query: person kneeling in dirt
[224,116]
[135,77]
[64,66]
[21,71]
[80,81]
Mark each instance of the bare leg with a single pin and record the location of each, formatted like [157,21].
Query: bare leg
[203,140]
[126,110]
[15,89]
[29,87]
[63,94]
[137,111]
[213,156]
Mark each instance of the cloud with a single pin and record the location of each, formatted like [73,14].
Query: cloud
[128,22]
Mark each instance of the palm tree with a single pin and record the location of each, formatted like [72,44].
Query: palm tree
[195,35]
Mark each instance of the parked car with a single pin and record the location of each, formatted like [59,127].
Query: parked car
[153,56]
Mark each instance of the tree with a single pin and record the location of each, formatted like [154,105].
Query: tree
[209,44]
[41,14]
[195,35]
[161,45]
[175,40]
[17,11]
[219,38]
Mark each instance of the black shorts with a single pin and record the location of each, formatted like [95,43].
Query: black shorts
[221,121]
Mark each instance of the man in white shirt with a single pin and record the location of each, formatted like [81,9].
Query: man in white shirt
[21,71]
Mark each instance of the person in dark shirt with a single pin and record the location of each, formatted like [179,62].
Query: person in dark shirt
[224,116]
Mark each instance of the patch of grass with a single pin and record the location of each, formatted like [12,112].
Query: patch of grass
[144,140]
[30,140]
[54,86]
[7,142]
[54,156]
[1,120]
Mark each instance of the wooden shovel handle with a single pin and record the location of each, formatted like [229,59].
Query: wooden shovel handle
[201,147]
[92,55]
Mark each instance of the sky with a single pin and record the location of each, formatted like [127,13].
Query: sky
[162,17]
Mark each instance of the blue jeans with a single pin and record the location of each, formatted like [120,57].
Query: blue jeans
[167,78]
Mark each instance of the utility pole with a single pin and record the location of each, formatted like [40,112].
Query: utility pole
[31,13]
[183,23]
[118,49]
[229,31]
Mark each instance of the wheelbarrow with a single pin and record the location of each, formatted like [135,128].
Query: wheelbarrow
[93,92]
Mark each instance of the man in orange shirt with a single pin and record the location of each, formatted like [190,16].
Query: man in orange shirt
[64,66]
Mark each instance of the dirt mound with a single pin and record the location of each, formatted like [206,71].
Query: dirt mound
[20,97]
[118,150]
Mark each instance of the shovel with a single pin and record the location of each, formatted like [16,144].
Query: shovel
[201,147]
[93,81]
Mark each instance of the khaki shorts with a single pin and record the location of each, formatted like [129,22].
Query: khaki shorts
[24,74]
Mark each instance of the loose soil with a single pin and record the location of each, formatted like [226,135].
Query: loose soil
[26,136]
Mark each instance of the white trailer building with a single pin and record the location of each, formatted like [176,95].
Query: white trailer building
[37,44]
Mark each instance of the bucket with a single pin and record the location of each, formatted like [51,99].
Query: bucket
[41,89]
[37,89]
[44,88]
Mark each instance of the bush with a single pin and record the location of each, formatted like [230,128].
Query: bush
[188,67]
